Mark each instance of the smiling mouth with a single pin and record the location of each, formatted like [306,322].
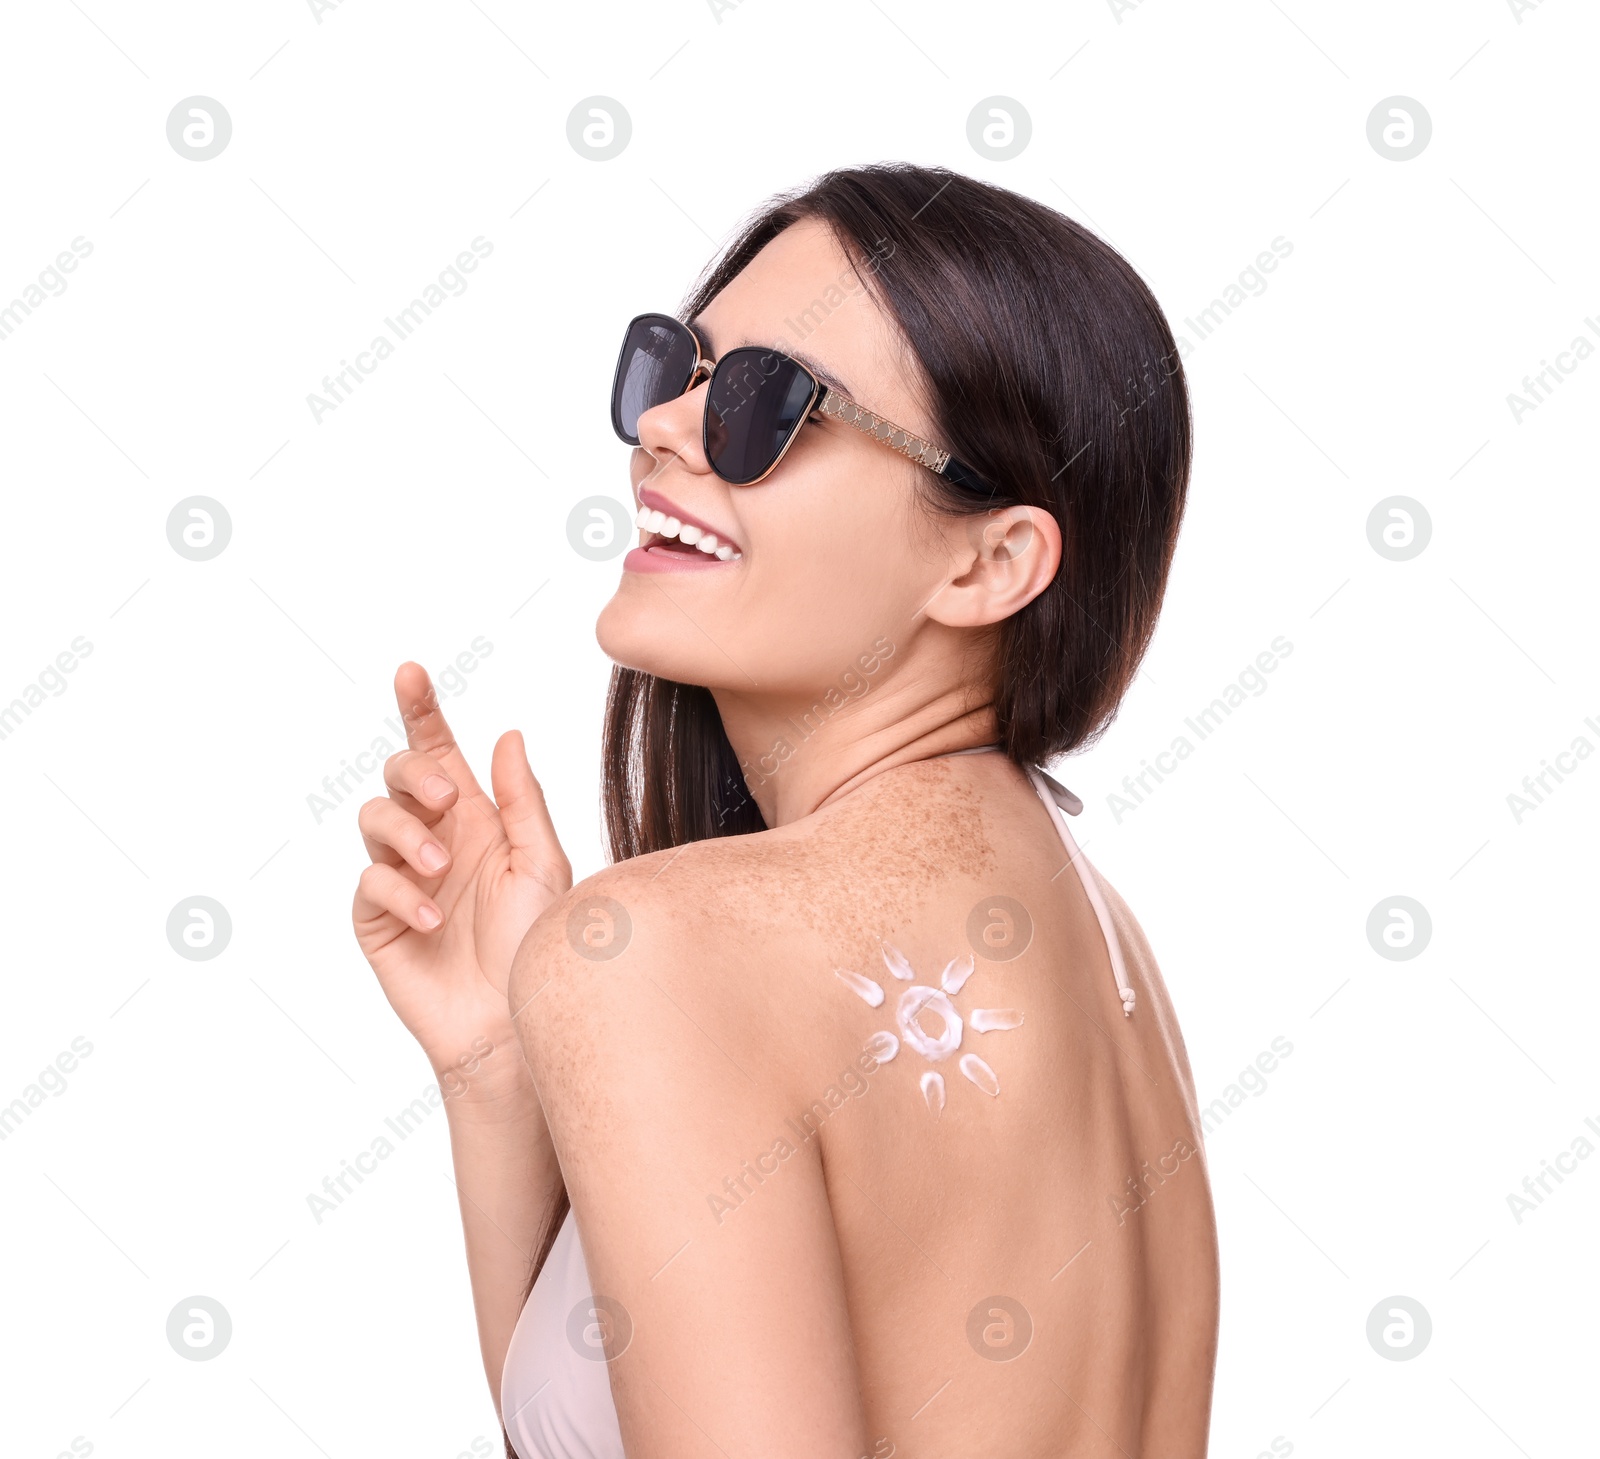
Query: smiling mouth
[669,535]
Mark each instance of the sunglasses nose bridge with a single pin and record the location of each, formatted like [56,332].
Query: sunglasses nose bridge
[703,370]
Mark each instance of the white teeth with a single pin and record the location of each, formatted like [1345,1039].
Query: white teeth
[650,520]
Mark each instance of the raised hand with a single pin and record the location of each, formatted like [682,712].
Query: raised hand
[456,879]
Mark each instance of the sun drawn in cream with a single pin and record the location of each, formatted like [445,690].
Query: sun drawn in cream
[919,1000]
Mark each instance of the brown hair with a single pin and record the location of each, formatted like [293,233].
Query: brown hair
[1051,371]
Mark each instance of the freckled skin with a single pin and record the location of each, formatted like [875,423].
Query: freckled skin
[1024,1194]
[820,867]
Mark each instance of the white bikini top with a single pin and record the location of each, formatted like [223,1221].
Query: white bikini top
[555,1388]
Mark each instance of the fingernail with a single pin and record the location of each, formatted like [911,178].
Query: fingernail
[432,857]
[436,787]
[429,917]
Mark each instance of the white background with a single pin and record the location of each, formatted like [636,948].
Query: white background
[373,144]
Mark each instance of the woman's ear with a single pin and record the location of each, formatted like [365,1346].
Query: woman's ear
[999,563]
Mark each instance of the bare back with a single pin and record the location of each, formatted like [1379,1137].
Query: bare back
[1037,1258]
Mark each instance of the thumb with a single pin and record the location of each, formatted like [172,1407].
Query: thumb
[523,813]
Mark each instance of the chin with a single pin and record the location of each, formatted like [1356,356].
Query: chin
[636,634]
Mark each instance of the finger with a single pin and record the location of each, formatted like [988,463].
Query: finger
[417,782]
[523,812]
[426,728]
[393,836]
[383,890]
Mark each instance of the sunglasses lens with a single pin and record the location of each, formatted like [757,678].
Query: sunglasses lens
[758,400]
[657,359]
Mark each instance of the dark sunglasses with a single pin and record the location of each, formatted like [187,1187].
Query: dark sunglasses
[756,403]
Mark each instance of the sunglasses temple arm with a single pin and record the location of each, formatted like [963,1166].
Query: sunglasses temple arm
[897,438]
[965,477]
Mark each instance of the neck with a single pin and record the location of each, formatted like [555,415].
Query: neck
[800,753]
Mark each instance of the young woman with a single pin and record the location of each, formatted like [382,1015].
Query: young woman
[846,1113]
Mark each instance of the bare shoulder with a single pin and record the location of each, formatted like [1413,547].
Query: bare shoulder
[696,915]
[722,952]
[676,966]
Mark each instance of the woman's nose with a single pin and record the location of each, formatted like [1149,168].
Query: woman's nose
[674,428]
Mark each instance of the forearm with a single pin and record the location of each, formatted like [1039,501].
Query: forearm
[506,1177]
